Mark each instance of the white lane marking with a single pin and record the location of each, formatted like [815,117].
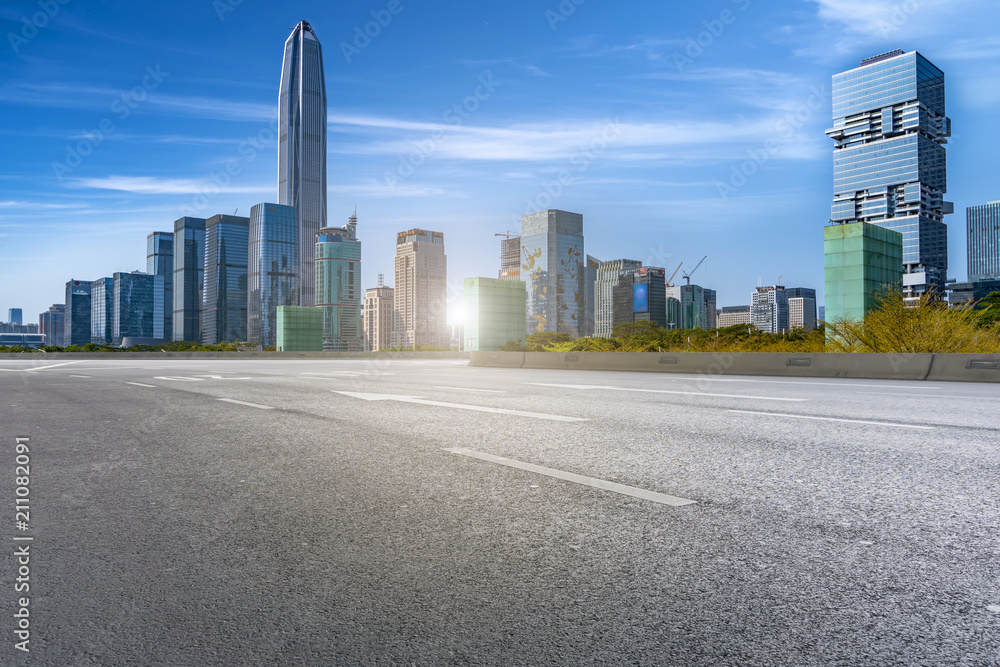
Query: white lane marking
[139,384]
[42,368]
[219,377]
[178,378]
[665,391]
[348,373]
[489,391]
[964,398]
[251,405]
[459,406]
[79,376]
[623,489]
[716,378]
[834,419]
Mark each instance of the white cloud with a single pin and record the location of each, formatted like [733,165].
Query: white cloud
[148,185]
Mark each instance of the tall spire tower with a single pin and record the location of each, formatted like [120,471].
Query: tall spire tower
[302,147]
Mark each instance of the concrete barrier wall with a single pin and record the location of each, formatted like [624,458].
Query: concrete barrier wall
[939,367]
[234,355]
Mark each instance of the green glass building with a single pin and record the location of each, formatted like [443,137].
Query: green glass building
[338,287]
[494,313]
[862,259]
[299,329]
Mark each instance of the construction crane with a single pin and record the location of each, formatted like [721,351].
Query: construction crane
[507,235]
[687,276]
[671,278]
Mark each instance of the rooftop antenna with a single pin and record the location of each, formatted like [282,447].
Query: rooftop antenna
[236,211]
[381,280]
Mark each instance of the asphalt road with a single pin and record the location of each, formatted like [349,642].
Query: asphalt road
[218,512]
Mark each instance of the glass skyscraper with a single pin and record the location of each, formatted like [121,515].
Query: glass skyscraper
[189,277]
[77,320]
[160,262]
[554,272]
[889,166]
[983,226]
[302,146]
[137,311]
[224,302]
[272,262]
[102,299]
[338,287]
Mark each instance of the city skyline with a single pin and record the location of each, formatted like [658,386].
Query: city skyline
[667,120]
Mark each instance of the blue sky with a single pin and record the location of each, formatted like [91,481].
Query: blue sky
[461,115]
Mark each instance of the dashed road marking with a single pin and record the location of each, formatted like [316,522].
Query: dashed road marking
[249,405]
[139,384]
[459,406]
[488,391]
[834,419]
[665,391]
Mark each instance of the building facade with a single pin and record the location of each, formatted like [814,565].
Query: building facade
[889,162]
[769,309]
[639,296]
[730,316]
[970,293]
[510,258]
[224,298]
[302,147]
[137,311]
[102,311]
[983,228]
[377,313]
[189,278]
[299,329]
[52,323]
[421,293]
[606,276]
[862,260]
[553,272]
[160,262]
[494,313]
[338,287]
[77,315]
[696,307]
[272,262]
[14,315]
[801,308]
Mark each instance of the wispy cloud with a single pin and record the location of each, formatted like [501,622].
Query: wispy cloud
[148,185]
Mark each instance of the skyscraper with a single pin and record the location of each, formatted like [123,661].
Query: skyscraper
[338,287]
[494,313]
[224,300]
[302,146]
[553,270]
[52,324]
[640,296]
[189,277]
[160,262]
[510,258]
[421,294]
[607,274]
[769,309]
[801,308]
[138,307]
[77,321]
[102,311]
[889,163]
[273,259]
[861,261]
[696,307]
[378,317]
[983,226]
[14,315]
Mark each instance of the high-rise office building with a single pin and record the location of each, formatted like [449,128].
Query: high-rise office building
[606,276]
[224,299]
[769,309]
[302,147]
[494,313]
[52,323]
[273,259]
[553,271]
[983,227]
[102,311]
[421,293]
[862,260]
[639,296]
[730,316]
[77,320]
[889,163]
[14,315]
[160,262]
[338,287]
[378,317]
[696,306]
[590,295]
[510,258]
[801,308]
[137,311]
[189,278]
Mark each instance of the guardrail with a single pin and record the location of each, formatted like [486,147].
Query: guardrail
[931,367]
[235,355]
